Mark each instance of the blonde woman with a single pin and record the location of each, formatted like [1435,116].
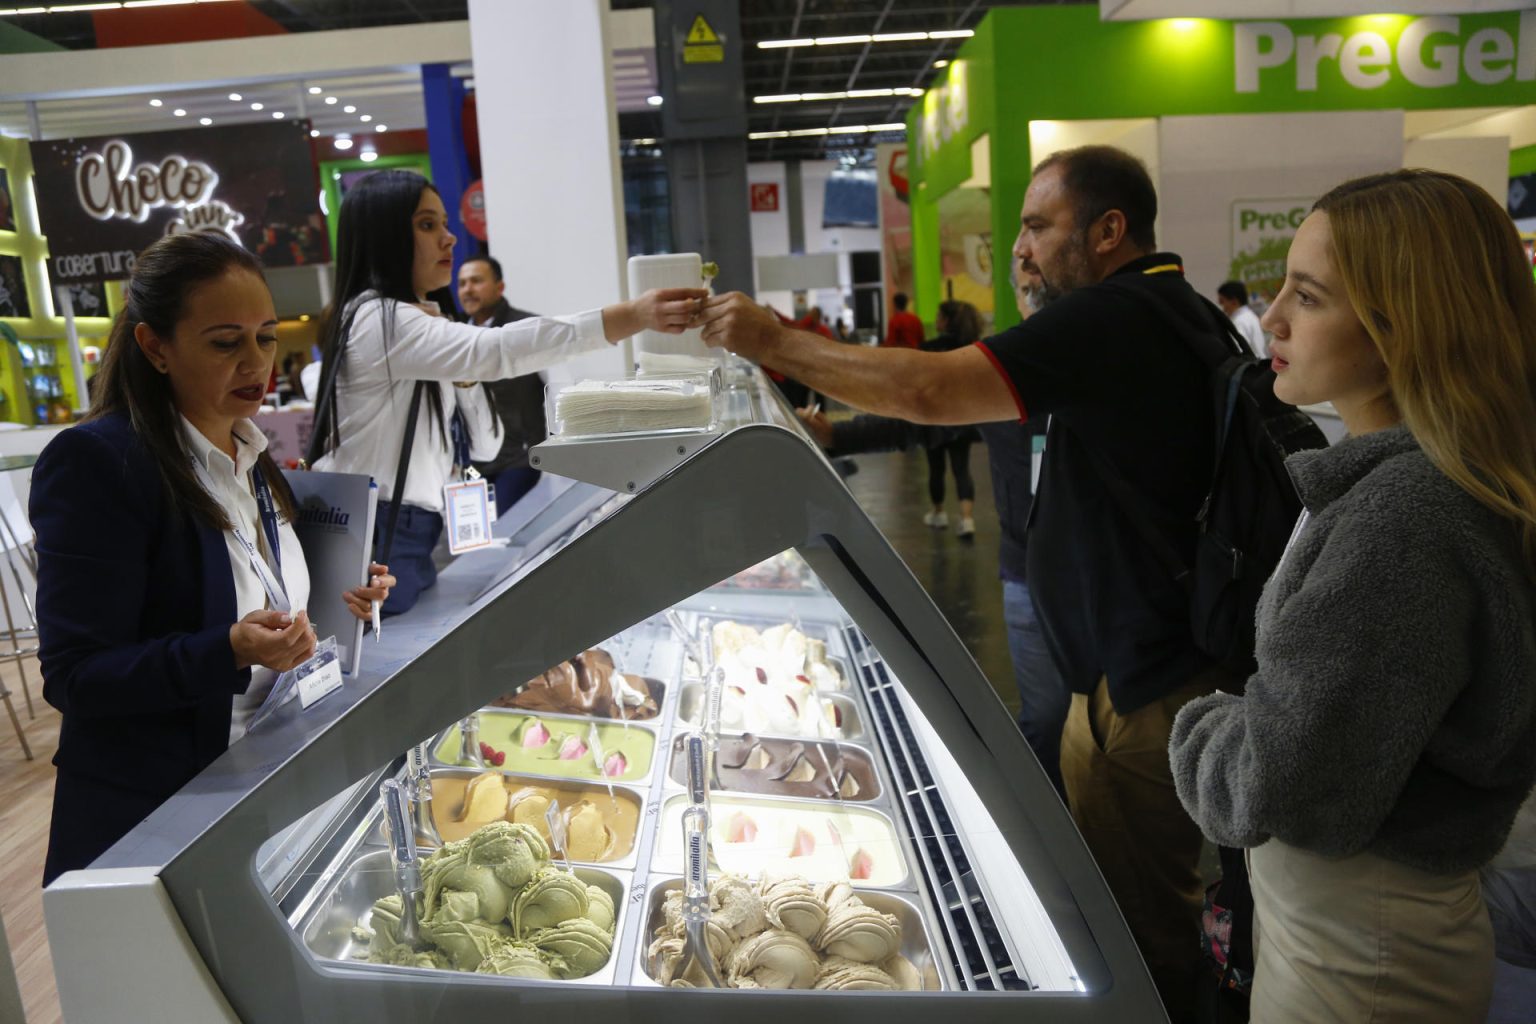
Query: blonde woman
[1382,748]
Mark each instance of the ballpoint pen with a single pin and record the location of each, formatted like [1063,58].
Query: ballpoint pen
[375,610]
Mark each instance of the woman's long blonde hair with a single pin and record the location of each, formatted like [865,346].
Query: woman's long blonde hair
[1436,272]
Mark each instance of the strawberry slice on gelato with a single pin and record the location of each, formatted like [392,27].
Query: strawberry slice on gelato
[535,735]
[573,749]
[740,829]
[863,865]
[615,765]
[804,845]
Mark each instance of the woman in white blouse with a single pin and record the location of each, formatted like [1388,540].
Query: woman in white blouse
[171,588]
[380,343]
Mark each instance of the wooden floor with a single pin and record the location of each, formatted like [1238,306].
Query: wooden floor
[26,800]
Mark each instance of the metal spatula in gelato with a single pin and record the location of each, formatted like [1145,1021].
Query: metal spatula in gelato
[402,854]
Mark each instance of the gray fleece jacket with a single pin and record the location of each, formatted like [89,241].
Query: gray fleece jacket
[1394,709]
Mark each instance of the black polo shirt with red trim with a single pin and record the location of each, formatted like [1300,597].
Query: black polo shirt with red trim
[1120,388]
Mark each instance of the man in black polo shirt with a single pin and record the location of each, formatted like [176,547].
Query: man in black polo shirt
[1119,388]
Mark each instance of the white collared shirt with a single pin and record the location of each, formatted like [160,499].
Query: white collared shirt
[373,393]
[232,490]
[1247,323]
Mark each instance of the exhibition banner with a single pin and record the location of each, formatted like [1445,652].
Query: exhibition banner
[102,200]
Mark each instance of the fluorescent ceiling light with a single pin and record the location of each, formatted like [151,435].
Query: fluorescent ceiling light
[381,127]
[156,103]
[258,106]
[654,101]
[277,115]
[314,133]
[205,121]
[851,94]
[179,112]
[642,142]
[341,143]
[349,109]
[23,10]
[368,156]
[366,118]
[886,37]
[852,129]
[941,63]
[330,100]
[315,90]
[235,97]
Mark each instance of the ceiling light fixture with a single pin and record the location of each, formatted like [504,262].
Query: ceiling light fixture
[277,115]
[851,94]
[349,109]
[258,106]
[366,118]
[315,90]
[23,10]
[654,101]
[381,127]
[235,97]
[941,63]
[886,37]
[342,142]
[314,133]
[179,112]
[205,121]
[852,129]
[368,156]
[330,100]
[156,103]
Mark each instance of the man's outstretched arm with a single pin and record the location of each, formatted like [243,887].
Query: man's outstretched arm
[959,387]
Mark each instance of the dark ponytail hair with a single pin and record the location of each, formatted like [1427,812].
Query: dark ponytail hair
[128,384]
[962,321]
[375,251]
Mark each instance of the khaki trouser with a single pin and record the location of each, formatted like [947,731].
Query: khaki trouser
[1363,939]
[1120,790]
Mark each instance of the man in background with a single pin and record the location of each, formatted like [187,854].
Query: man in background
[1232,296]
[906,330]
[519,401]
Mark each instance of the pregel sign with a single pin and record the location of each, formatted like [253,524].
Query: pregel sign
[1431,52]
[102,200]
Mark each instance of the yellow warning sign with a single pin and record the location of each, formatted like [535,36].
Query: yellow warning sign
[703,44]
[701,32]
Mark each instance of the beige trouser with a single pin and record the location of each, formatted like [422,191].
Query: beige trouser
[1365,939]
[1120,791]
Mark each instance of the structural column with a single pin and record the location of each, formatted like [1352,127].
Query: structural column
[549,154]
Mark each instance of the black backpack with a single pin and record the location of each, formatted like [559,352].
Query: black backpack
[1252,505]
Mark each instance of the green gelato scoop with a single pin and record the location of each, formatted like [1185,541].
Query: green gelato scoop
[517,960]
[583,945]
[551,897]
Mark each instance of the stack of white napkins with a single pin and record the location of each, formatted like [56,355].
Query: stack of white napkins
[623,406]
[668,364]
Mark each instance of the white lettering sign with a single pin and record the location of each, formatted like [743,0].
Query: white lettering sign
[213,216]
[109,186]
[1430,53]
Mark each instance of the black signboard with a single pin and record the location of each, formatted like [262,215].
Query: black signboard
[101,200]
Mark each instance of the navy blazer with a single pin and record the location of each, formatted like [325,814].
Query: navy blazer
[134,604]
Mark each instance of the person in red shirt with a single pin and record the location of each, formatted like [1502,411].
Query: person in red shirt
[906,330]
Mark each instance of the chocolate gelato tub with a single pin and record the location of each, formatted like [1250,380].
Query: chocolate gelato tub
[600,829]
[776,766]
[589,684]
[327,925]
[916,945]
[557,746]
[822,841]
[832,716]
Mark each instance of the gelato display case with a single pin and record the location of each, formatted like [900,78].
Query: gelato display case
[691,738]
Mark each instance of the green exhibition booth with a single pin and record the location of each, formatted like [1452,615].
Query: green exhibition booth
[971,141]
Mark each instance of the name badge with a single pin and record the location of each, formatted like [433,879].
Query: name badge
[469,515]
[320,675]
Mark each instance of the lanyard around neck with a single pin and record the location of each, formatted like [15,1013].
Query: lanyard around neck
[271,576]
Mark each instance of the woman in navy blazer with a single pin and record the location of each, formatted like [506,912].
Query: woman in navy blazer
[142,647]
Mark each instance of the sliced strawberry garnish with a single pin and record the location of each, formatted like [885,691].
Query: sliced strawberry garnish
[804,845]
[740,829]
[863,865]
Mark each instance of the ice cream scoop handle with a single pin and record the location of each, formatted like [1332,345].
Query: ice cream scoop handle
[402,854]
[469,741]
[684,637]
[696,774]
[426,827]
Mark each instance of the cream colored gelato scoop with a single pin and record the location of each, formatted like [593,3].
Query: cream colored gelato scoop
[774,959]
[793,905]
[840,973]
[583,946]
[860,933]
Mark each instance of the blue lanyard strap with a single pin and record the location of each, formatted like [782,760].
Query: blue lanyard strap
[269,522]
[458,431]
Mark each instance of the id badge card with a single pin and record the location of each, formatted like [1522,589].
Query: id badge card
[316,678]
[469,515]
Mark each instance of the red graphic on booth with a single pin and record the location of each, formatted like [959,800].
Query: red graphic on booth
[765,197]
[472,210]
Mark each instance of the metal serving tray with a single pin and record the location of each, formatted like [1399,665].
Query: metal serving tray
[575,723]
[820,752]
[669,829]
[349,899]
[916,934]
[690,706]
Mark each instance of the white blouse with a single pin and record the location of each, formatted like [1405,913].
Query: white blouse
[232,490]
[373,394]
